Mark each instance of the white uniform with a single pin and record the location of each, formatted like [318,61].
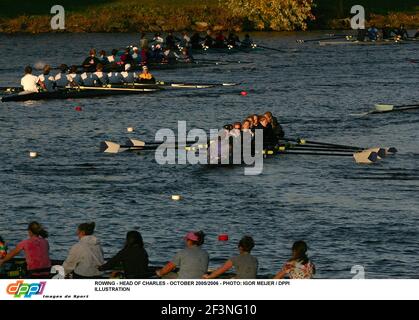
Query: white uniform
[62,79]
[76,78]
[128,77]
[29,82]
[115,78]
[48,81]
[100,78]
[87,79]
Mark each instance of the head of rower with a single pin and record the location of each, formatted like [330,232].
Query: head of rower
[73,69]
[46,70]
[92,53]
[255,118]
[63,68]
[99,67]
[264,121]
[28,70]
[268,115]
[237,125]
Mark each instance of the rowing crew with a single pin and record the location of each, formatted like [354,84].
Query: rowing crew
[387,33]
[272,130]
[48,82]
[133,56]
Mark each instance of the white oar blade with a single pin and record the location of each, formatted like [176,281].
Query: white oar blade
[365,157]
[135,143]
[110,147]
[383,107]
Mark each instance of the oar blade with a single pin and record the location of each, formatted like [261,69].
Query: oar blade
[135,143]
[110,147]
[381,152]
[365,157]
[384,107]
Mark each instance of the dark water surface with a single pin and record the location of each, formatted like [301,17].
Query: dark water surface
[349,214]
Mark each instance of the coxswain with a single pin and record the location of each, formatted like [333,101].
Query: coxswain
[208,41]
[61,79]
[196,40]
[220,40]
[233,39]
[274,124]
[247,41]
[29,81]
[146,77]
[373,33]
[74,78]
[90,63]
[185,56]
[45,80]
[100,78]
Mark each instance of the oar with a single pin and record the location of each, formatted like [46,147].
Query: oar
[267,48]
[218,61]
[300,141]
[117,89]
[11,89]
[363,157]
[112,147]
[319,39]
[140,143]
[383,108]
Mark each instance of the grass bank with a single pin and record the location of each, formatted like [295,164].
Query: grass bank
[164,15]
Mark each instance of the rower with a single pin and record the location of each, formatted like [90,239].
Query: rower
[136,56]
[185,56]
[169,56]
[208,41]
[126,57]
[255,122]
[274,124]
[45,80]
[90,63]
[146,77]
[269,138]
[128,77]
[115,78]
[143,41]
[113,58]
[171,40]
[87,79]
[196,41]
[247,41]
[235,132]
[361,35]
[373,33]
[232,39]
[387,32]
[157,39]
[29,81]
[186,40]
[74,78]
[220,40]
[61,79]
[402,32]
[103,58]
[99,77]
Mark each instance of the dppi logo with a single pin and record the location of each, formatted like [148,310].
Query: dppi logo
[27,290]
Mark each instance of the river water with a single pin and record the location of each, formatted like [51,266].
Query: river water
[348,214]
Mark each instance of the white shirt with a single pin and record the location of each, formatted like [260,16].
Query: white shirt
[111,59]
[115,78]
[29,82]
[128,76]
[100,78]
[87,79]
[62,80]
[48,80]
[76,78]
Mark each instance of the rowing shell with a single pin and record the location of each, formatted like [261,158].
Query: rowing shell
[82,92]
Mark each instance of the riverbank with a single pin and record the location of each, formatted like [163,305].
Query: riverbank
[179,15]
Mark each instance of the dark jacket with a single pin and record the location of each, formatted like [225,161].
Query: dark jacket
[133,260]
